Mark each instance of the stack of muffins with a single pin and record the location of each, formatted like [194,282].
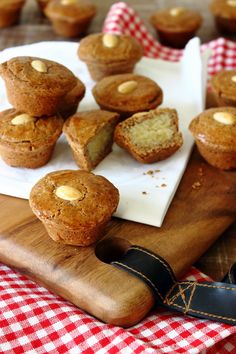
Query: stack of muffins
[36,88]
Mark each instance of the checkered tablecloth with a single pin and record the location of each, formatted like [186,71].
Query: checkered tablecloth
[33,320]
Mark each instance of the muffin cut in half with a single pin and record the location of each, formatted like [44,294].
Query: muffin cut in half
[150,136]
[74,206]
[27,141]
[214,131]
[90,136]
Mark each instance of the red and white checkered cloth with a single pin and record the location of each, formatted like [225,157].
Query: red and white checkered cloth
[33,320]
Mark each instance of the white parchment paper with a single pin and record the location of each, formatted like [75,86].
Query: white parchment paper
[144,196]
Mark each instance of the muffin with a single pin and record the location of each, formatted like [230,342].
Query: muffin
[127,94]
[223,86]
[10,11]
[26,141]
[214,132]
[90,136]
[176,26]
[109,54]
[36,86]
[69,103]
[224,12]
[74,206]
[70,18]
[150,136]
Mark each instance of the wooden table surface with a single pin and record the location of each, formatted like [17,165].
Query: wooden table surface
[33,27]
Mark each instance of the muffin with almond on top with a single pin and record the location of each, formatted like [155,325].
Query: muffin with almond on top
[214,132]
[74,205]
[27,141]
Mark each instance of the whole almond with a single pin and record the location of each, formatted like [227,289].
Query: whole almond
[127,86]
[22,119]
[39,65]
[69,193]
[68,2]
[225,118]
[231,3]
[233,78]
[176,11]
[110,40]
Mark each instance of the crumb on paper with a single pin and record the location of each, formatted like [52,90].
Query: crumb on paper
[151,172]
[163,185]
[196,185]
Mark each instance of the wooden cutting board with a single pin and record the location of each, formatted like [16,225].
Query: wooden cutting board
[203,207]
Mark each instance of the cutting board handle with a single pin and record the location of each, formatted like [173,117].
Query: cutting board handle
[210,300]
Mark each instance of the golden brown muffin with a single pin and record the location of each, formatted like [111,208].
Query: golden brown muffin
[214,132]
[90,135]
[70,18]
[74,206]
[26,141]
[70,102]
[127,94]
[176,26]
[36,86]
[224,87]
[150,136]
[224,12]
[109,54]
[10,11]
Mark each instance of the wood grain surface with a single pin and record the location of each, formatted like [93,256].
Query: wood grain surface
[83,275]
[194,222]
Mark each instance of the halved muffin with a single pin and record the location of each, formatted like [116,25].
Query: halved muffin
[90,136]
[150,136]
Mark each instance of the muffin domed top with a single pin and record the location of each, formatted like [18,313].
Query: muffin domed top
[106,47]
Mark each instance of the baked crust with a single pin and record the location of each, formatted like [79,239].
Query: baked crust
[103,61]
[79,222]
[10,11]
[83,128]
[147,95]
[37,93]
[69,103]
[224,88]
[144,144]
[216,141]
[28,145]
[176,30]
[71,19]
